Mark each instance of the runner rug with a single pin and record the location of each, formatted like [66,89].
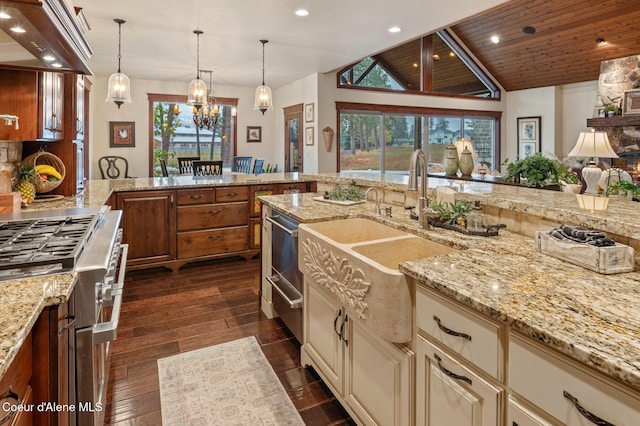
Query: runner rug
[227,384]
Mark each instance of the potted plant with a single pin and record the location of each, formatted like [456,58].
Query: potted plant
[624,189]
[611,110]
[453,213]
[537,171]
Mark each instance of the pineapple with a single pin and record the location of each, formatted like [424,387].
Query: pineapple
[25,186]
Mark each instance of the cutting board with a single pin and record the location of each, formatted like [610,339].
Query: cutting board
[10,203]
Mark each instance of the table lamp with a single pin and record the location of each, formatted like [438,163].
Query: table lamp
[592,144]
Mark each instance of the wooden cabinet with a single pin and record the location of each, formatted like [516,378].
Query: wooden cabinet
[19,96]
[372,378]
[566,391]
[51,119]
[257,191]
[15,387]
[459,368]
[149,225]
[80,108]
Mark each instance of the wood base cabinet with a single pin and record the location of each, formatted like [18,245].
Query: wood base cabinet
[372,378]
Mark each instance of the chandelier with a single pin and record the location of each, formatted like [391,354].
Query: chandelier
[263,92]
[206,116]
[119,87]
[197,95]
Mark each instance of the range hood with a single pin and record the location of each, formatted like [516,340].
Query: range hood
[53,37]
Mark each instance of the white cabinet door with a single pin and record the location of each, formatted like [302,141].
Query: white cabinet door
[378,377]
[322,323]
[447,393]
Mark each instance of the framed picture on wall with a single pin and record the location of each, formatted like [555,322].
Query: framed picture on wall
[308,136]
[309,113]
[254,134]
[122,134]
[528,136]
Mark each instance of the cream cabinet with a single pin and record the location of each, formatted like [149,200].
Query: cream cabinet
[459,361]
[565,390]
[372,378]
[518,415]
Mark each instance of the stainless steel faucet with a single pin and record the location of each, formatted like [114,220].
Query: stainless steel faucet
[419,160]
[376,208]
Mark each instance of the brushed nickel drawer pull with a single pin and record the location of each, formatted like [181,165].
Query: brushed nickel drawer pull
[449,372]
[213,211]
[586,413]
[214,237]
[449,331]
[195,197]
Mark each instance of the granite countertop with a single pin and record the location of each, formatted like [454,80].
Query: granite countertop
[590,317]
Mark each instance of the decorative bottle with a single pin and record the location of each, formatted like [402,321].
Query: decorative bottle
[450,160]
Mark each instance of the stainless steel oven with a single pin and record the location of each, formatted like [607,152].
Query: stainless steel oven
[286,279]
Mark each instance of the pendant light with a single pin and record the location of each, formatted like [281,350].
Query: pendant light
[263,92]
[197,88]
[119,87]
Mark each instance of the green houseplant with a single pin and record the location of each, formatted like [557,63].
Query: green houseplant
[624,189]
[538,171]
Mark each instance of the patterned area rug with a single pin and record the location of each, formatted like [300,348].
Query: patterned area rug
[227,384]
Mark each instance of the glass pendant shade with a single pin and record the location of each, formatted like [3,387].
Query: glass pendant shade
[263,99]
[119,86]
[197,93]
[119,89]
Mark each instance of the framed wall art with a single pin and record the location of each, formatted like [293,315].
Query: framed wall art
[528,136]
[309,113]
[631,104]
[308,136]
[254,134]
[122,134]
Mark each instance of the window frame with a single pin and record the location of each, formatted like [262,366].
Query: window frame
[152,98]
[424,111]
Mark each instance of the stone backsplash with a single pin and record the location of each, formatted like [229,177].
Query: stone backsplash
[10,156]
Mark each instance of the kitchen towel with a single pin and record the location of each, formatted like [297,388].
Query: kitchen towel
[581,235]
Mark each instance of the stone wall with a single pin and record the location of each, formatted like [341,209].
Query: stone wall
[10,156]
[617,76]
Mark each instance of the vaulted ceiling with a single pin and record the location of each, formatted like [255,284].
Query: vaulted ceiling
[563,49]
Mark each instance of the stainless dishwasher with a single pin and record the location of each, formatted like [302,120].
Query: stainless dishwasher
[286,280]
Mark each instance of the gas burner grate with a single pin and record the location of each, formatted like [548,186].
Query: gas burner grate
[25,244]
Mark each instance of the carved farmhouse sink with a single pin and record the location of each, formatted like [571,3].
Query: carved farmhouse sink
[356,261]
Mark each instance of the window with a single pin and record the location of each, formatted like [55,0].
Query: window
[432,64]
[175,134]
[383,141]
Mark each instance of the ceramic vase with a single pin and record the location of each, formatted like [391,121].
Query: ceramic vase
[451,160]
[466,163]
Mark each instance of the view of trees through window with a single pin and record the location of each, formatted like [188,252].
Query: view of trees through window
[384,142]
[176,135]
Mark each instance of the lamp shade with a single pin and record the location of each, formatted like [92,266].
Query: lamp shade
[264,100]
[197,93]
[592,203]
[593,144]
[119,89]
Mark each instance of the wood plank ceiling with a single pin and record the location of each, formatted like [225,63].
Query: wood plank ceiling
[563,49]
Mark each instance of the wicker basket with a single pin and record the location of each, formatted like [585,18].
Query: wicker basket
[51,160]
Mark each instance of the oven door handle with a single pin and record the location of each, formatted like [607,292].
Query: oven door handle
[116,288]
[292,232]
[107,331]
[293,303]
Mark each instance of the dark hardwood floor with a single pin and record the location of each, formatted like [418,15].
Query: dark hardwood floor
[201,305]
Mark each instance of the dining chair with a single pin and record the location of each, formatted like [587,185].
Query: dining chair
[241,164]
[184,164]
[163,167]
[257,166]
[114,167]
[206,167]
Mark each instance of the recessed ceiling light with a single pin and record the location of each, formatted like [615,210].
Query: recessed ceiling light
[452,54]
[495,39]
[48,58]
[4,15]
[18,30]
[436,57]
[395,29]
[302,12]
[529,30]
[56,65]
[600,40]
[415,65]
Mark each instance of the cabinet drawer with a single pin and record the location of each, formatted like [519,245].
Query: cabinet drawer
[203,243]
[474,338]
[232,193]
[195,196]
[212,216]
[549,380]
[448,393]
[17,377]
[293,188]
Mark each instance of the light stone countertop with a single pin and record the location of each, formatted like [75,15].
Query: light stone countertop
[590,317]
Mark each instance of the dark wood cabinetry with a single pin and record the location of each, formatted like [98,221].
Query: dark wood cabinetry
[16,383]
[149,225]
[19,96]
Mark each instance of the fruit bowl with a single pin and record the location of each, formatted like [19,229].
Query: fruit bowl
[40,160]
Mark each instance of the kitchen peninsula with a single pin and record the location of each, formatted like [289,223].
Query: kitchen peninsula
[549,316]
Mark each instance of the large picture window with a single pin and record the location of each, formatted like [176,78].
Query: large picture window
[175,133]
[383,141]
